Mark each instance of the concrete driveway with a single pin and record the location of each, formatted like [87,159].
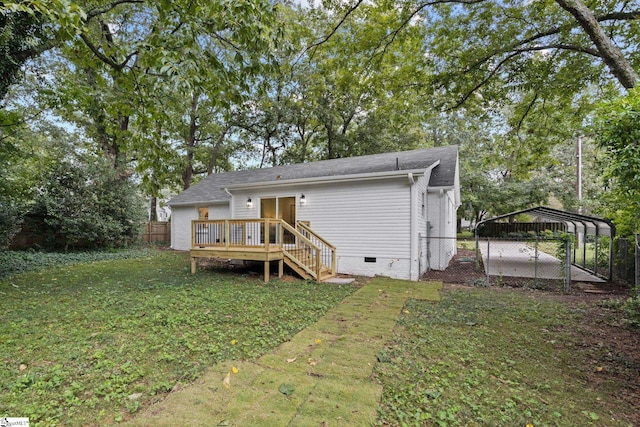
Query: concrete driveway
[517,259]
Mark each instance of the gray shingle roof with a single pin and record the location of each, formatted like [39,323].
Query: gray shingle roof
[211,189]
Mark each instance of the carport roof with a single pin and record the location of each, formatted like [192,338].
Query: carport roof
[575,222]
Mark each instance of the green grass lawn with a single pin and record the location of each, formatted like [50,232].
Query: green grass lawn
[499,357]
[92,343]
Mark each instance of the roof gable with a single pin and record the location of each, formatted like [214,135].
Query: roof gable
[212,188]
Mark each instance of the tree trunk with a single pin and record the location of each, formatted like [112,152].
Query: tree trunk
[611,54]
[215,149]
[187,174]
[153,211]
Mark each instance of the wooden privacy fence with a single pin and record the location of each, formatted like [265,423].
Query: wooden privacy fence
[156,231]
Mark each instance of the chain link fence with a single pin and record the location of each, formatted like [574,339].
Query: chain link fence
[627,262]
[538,262]
[549,263]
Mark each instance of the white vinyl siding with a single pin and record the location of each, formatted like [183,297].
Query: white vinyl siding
[361,218]
[181,217]
[367,219]
[219,211]
[442,215]
[421,232]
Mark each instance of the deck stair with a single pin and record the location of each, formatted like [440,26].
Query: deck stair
[310,255]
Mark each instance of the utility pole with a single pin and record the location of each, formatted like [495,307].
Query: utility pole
[579,236]
[579,174]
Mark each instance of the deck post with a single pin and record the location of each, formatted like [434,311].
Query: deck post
[266,272]
[333,262]
[266,234]
[281,234]
[227,234]
[280,268]
[193,265]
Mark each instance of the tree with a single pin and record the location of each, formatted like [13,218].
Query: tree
[611,54]
[28,29]
[617,131]
[29,146]
[487,54]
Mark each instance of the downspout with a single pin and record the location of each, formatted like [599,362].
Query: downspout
[226,190]
[412,227]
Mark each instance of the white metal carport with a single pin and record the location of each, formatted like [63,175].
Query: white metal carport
[582,227]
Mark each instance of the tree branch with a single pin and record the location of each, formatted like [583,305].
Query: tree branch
[484,81]
[619,16]
[99,10]
[556,30]
[611,54]
[560,46]
[333,31]
[525,114]
[394,34]
[112,63]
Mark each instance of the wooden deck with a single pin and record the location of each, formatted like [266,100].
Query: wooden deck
[265,240]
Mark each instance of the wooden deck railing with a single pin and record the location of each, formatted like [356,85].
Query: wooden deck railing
[310,254]
[302,251]
[235,233]
[327,250]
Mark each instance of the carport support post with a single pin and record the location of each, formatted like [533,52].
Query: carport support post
[486,267]
[567,265]
[477,249]
[535,264]
[637,264]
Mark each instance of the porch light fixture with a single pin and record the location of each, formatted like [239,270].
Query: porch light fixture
[249,203]
[303,200]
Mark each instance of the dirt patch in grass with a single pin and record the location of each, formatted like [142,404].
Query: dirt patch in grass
[502,356]
[461,269]
[609,347]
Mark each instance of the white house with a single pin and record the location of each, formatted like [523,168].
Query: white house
[391,214]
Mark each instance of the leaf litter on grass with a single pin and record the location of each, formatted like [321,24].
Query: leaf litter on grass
[102,332]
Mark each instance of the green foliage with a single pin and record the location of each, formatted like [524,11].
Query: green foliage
[15,262]
[565,242]
[29,28]
[87,205]
[474,359]
[10,220]
[618,132]
[91,335]
[175,90]
[631,310]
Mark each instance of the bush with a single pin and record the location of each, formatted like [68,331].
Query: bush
[88,205]
[466,235]
[10,220]
[631,310]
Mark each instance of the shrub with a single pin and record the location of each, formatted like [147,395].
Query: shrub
[88,205]
[631,310]
[10,220]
